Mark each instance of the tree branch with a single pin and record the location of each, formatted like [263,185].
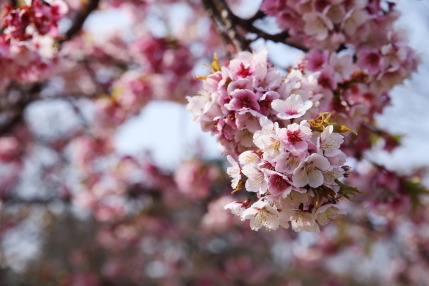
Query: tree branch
[79,20]
[248,24]
[220,12]
[17,109]
[222,17]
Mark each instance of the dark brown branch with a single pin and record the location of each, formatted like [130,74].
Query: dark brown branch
[259,15]
[231,23]
[249,25]
[18,108]
[211,13]
[8,127]
[222,16]
[80,20]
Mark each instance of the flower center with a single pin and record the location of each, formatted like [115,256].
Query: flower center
[293,137]
[244,72]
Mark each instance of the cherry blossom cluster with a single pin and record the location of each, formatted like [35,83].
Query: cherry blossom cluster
[264,120]
[39,18]
[294,174]
[330,24]
[27,47]
[235,97]
[130,93]
[359,87]
[354,45]
[108,182]
[162,54]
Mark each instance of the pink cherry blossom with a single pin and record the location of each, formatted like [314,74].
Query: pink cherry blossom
[370,61]
[241,99]
[317,25]
[287,162]
[296,137]
[292,107]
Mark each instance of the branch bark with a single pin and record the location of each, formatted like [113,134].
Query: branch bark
[222,18]
[230,24]
[17,109]
[79,21]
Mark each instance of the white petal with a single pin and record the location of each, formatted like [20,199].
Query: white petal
[318,161]
[235,208]
[293,200]
[255,224]
[315,177]
[253,173]
[304,221]
[327,212]
[284,219]
[249,213]
[278,105]
[248,157]
[299,177]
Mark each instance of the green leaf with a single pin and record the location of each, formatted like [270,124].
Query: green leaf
[414,190]
[347,191]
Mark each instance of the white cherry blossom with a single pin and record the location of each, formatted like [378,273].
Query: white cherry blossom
[327,212]
[255,179]
[248,157]
[267,139]
[310,171]
[233,171]
[330,142]
[236,208]
[261,214]
[332,175]
[294,199]
[300,220]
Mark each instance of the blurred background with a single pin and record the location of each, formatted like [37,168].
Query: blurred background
[93,194]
